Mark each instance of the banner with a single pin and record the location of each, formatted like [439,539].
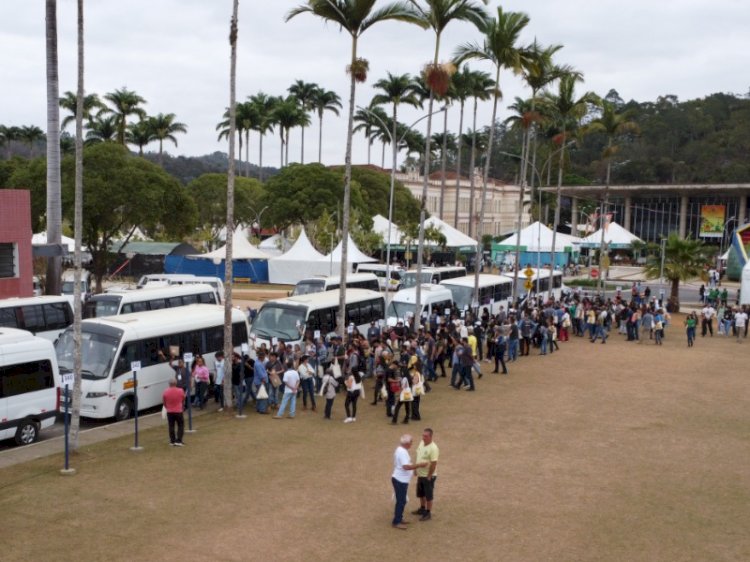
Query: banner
[712,221]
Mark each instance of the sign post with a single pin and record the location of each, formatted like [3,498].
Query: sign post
[135,366]
[187,359]
[246,391]
[67,380]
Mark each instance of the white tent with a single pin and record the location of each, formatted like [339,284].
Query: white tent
[301,261]
[40,239]
[454,238]
[354,255]
[615,236]
[537,237]
[380,226]
[241,250]
[274,245]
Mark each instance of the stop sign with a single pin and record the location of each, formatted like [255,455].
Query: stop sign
[594,273]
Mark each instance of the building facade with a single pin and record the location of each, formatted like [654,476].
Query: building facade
[501,207]
[16,267]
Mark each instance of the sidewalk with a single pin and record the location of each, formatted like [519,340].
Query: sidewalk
[56,445]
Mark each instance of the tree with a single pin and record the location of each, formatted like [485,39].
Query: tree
[124,104]
[500,47]
[54,201]
[264,107]
[356,17]
[9,135]
[568,112]
[140,134]
[683,260]
[123,192]
[102,128]
[69,101]
[324,100]
[287,115]
[370,122]
[209,194]
[436,15]
[482,87]
[461,93]
[304,93]
[31,175]
[163,127]
[31,134]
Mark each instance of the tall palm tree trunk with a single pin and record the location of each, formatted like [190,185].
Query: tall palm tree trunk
[247,153]
[75,419]
[558,199]
[302,150]
[54,197]
[288,136]
[341,324]
[281,138]
[369,144]
[602,247]
[485,179]
[228,269]
[320,137]
[472,164]
[161,152]
[458,163]
[260,158]
[444,161]
[382,156]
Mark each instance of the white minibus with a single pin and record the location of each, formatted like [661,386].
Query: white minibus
[28,381]
[289,320]
[540,280]
[68,283]
[322,284]
[382,273]
[127,301]
[431,275]
[494,291]
[161,279]
[45,316]
[111,344]
[434,298]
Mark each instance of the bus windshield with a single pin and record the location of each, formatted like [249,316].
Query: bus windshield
[401,309]
[462,296]
[409,279]
[98,352]
[99,308]
[283,322]
[308,287]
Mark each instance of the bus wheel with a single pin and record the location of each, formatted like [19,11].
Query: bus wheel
[27,433]
[124,409]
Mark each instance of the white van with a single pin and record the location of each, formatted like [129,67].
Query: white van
[434,298]
[162,279]
[322,284]
[28,381]
[45,316]
[382,273]
[128,301]
[68,284]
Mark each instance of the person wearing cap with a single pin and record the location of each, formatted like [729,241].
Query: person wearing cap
[307,380]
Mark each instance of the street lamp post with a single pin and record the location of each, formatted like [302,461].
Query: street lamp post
[395,141]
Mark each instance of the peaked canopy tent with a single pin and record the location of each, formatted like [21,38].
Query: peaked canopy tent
[615,236]
[248,262]
[380,226]
[331,263]
[453,238]
[536,247]
[275,245]
[300,262]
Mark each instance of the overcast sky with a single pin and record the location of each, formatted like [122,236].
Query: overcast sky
[175,54]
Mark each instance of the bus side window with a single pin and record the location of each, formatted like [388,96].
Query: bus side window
[239,334]
[378,310]
[333,287]
[127,308]
[215,338]
[174,302]
[189,299]
[157,304]
[8,318]
[365,312]
[207,298]
[313,321]
[33,318]
[128,354]
[151,354]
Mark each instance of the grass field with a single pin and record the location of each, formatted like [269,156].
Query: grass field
[616,452]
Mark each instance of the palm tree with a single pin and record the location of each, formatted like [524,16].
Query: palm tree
[241,126]
[264,108]
[613,124]
[461,92]
[568,112]
[324,100]
[304,93]
[683,259]
[436,15]
[288,114]
[395,90]
[247,120]
[69,101]
[369,124]
[124,104]
[356,17]
[9,136]
[500,47]
[54,182]
[228,263]
[31,134]
[163,126]
[139,134]
[102,128]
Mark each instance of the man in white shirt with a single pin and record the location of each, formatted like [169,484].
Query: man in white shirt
[291,382]
[707,318]
[402,472]
[740,323]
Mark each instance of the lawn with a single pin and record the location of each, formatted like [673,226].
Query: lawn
[601,452]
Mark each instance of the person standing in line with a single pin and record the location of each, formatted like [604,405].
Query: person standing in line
[173,400]
[466,360]
[426,460]
[500,344]
[512,341]
[260,379]
[740,324]
[690,323]
[306,374]
[328,390]
[353,389]
[219,380]
[400,477]
[202,378]
[291,382]
[707,319]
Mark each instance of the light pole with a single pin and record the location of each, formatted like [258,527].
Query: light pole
[661,270]
[721,243]
[256,223]
[395,141]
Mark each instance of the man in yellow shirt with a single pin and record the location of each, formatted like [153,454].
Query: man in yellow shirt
[427,457]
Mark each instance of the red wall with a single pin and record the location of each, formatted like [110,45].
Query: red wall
[15,226]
